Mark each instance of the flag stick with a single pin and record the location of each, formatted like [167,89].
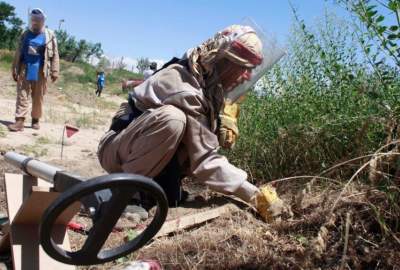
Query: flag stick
[62,142]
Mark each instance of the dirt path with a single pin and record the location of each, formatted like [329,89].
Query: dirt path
[79,151]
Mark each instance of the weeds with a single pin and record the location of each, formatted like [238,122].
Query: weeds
[87,120]
[85,74]
[320,105]
[104,104]
[6,59]
[43,140]
[35,150]
[3,131]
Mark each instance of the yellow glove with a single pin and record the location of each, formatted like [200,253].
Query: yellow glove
[268,204]
[228,130]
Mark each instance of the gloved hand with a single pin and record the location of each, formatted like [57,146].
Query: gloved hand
[228,130]
[269,205]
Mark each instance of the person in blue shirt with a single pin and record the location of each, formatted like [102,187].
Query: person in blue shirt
[36,60]
[101,78]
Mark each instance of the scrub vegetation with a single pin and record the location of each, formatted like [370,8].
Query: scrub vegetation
[327,118]
[2,132]
[333,97]
[35,150]
[6,58]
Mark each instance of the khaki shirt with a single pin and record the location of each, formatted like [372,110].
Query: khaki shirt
[51,65]
[176,86]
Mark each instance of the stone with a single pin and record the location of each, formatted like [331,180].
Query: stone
[134,217]
[134,209]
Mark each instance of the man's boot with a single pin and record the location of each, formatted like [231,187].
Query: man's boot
[18,125]
[35,124]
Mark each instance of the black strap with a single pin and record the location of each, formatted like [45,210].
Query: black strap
[174,60]
[119,124]
[24,165]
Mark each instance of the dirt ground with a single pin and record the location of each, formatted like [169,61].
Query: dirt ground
[324,233]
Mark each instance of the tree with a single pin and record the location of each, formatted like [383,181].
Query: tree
[103,63]
[66,44]
[10,26]
[80,50]
[94,50]
[72,50]
[142,64]
[378,31]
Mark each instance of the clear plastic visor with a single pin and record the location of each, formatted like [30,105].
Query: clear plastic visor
[271,54]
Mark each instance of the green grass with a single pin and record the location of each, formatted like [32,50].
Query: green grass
[43,140]
[104,104]
[34,150]
[88,120]
[85,121]
[118,75]
[38,149]
[287,135]
[3,131]
[78,84]
[89,74]
[6,59]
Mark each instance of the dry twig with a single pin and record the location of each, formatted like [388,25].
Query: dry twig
[346,241]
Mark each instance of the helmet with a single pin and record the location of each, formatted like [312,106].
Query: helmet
[235,58]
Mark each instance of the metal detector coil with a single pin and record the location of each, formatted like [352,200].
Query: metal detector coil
[108,195]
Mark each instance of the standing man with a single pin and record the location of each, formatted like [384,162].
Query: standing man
[101,78]
[36,60]
[148,72]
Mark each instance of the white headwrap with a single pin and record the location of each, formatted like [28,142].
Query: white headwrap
[37,13]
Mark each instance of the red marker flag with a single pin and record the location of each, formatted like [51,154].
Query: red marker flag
[71,130]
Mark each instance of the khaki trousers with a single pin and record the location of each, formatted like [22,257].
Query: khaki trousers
[147,145]
[35,89]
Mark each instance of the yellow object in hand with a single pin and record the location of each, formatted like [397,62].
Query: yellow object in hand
[268,203]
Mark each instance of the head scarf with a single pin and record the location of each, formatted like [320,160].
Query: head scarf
[37,13]
[237,43]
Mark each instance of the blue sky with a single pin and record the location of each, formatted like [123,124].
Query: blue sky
[160,29]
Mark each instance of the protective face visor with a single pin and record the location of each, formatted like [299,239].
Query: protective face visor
[255,63]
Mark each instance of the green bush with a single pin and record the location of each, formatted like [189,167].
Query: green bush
[6,58]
